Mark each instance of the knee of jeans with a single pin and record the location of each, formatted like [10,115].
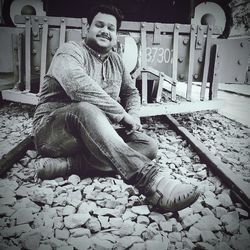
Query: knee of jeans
[87,108]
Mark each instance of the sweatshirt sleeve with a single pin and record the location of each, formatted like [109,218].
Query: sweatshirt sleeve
[129,95]
[69,70]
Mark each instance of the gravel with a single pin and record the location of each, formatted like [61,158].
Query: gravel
[103,212]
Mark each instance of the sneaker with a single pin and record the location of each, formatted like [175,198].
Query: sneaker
[171,195]
[50,168]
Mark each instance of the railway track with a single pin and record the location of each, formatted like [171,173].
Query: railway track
[105,213]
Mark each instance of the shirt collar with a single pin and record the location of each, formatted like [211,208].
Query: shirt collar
[97,55]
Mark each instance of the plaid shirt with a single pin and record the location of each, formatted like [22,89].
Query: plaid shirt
[78,74]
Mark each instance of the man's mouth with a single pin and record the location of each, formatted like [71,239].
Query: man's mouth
[105,37]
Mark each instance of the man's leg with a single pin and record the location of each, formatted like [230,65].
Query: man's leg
[91,128]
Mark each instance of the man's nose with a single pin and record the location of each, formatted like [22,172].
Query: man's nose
[105,29]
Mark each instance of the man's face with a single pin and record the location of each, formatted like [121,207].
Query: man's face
[102,35]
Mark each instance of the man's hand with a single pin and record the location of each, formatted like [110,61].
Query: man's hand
[132,124]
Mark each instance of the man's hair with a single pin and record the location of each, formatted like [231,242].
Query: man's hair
[106,9]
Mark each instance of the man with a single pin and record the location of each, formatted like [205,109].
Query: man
[78,109]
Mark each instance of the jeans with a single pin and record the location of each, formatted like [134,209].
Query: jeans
[84,134]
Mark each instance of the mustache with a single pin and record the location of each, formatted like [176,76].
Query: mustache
[104,35]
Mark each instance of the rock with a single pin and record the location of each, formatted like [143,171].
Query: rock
[43,195]
[15,231]
[27,203]
[104,221]
[128,241]
[157,217]
[126,229]
[220,211]
[86,207]
[142,210]
[128,215]
[208,222]
[175,237]
[62,234]
[190,220]
[31,153]
[6,211]
[74,179]
[241,212]
[101,244]
[74,198]
[142,219]
[46,247]
[115,222]
[154,244]
[31,240]
[231,221]
[209,237]
[187,243]
[79,232]
[8,201]
[76,220]
[194,234]
[225,200]
[6,192]
[222,246]
[81,243]
[55,243]
[185,212]
[204,246]
[93,225]
[166,226]
[211,202]
[68,210]
[23,216]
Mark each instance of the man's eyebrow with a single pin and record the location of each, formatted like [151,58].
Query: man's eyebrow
[101,22]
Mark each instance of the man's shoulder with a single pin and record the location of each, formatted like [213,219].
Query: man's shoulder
[70,47]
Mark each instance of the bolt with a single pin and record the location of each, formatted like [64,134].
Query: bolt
[180,59]
[196,76]
[217,55]
[36,18]
[181,76]
[236,79]
[37,68]
[62,20]
[192,27]
[200,59]
[27,18]
[177,26]
[52,53]
[142,25]
[185,41]
[34,52]
[45,20]
[35,34]
[199,42]
[242,44]
[200,28]
[239,62]
[50,35]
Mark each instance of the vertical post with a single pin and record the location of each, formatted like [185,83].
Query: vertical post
[44,51]
[190,63]
[215,82]
[27,54]
[159,89]
[175,61]
[84,28]
[62,32]
[206,63]
[144,64]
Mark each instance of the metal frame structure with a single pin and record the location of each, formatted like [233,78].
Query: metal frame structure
[170,56]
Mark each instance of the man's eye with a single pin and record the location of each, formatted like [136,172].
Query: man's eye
[99,25]
[111,28]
